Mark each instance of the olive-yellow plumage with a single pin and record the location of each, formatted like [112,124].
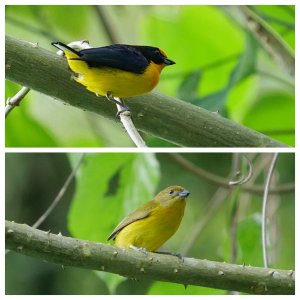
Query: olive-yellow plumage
[152,224]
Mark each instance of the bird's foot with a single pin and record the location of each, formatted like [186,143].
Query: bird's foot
[120,102]
[125,111]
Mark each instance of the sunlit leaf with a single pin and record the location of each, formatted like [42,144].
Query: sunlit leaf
[273,115]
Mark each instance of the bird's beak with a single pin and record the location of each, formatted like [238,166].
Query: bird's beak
[184,193]
[168,61]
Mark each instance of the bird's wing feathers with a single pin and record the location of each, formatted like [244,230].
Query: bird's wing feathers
[121,57]
[139,214]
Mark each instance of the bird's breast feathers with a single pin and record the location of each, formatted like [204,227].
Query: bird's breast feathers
[120,83]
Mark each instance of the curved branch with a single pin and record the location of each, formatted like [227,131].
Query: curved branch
[165,117]
[244,178]
[134,264]
[215,179]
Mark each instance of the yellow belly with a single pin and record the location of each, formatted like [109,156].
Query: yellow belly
[153,231]
[120,83]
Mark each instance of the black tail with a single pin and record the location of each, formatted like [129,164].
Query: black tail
[62,46]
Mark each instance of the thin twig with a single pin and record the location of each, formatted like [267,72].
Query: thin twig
[30,28]
[285,81]
[244,179]
[60,194]
[107,24]
[11,103]
[206,67]
[264,210]
[58,197]
[274,19]
[218,180]
[234,216]
[126,120]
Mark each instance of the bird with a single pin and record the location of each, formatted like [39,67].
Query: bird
[116,71]
[151,225]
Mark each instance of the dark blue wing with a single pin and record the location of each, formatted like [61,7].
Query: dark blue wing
[117,56]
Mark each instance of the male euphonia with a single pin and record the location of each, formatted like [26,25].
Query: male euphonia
[152,224]
[117,71]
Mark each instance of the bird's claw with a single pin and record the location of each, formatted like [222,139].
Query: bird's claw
[125,111]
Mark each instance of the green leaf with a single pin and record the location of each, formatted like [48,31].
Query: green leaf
[188,88]
[139,180]
[214,102]
[95,208]
[205,35]
[245,67]
[273,115]
[249,240]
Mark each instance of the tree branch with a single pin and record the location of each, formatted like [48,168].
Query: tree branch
[133,264]
[273,43]
[14,101]
[125,118]
[165,117]
[264,210]
[103,17]
[224,182]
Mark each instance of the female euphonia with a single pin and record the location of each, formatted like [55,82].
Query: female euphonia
[152,224]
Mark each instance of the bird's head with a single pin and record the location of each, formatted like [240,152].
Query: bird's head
[156,55]
[171,194]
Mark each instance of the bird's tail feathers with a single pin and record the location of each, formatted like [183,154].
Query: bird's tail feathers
[63,47]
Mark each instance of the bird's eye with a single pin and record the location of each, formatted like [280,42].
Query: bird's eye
[171,192]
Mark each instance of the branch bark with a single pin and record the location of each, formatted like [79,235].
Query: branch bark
[165,117]
[133,264]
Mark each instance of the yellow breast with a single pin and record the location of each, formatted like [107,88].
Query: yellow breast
[153,231]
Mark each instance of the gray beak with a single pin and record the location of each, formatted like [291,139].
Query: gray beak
[184,193]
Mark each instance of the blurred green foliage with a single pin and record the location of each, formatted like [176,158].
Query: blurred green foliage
[110,185]
[219,66]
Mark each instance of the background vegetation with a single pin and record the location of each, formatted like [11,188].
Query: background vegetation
[220,223]
[220,66]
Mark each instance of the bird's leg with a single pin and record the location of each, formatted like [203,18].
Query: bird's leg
[143,250]
[121,103]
